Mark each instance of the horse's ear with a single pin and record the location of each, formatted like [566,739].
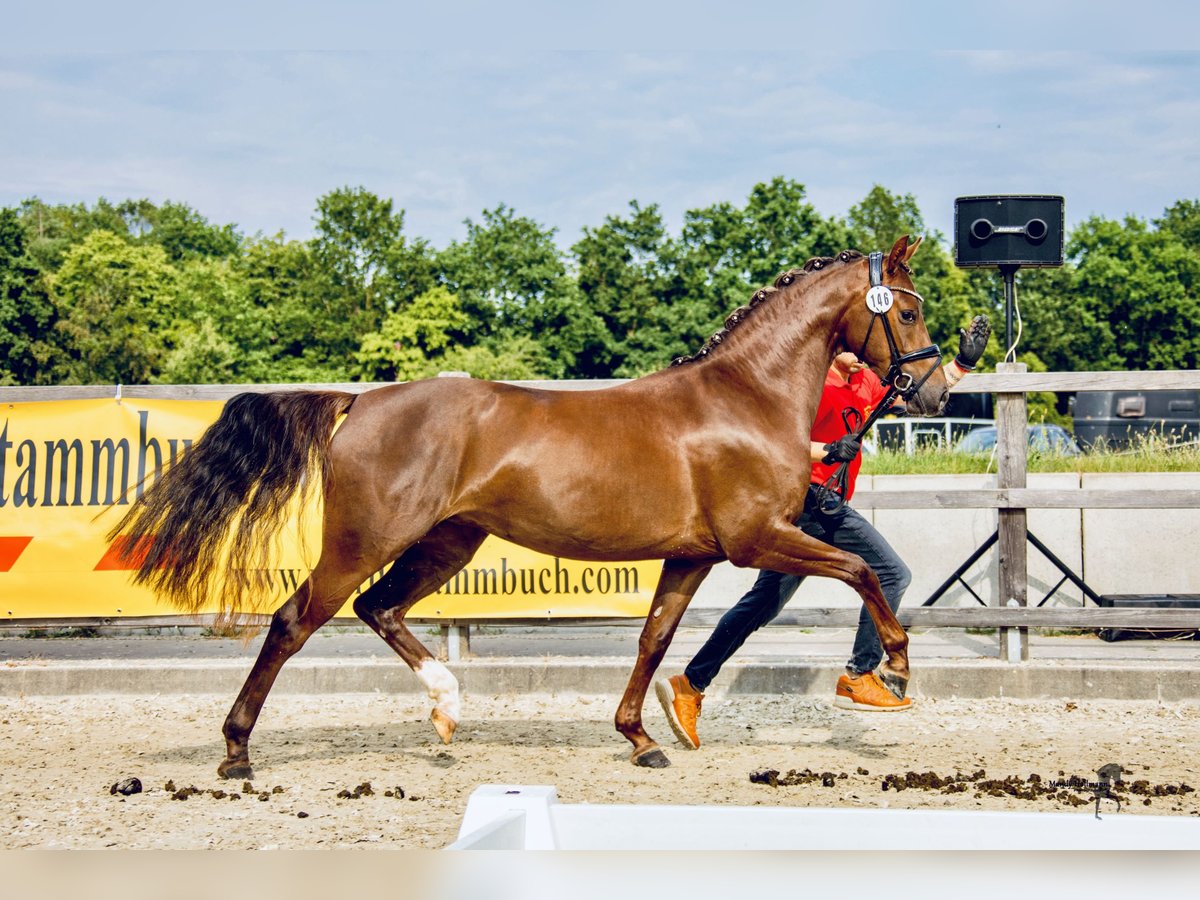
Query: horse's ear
[902,252]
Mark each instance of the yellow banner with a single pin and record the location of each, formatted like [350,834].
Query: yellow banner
[69,469]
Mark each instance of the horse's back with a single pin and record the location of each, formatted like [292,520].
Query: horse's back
[464,404]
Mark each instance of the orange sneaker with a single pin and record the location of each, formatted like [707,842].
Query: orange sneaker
[867,693]
[681,702]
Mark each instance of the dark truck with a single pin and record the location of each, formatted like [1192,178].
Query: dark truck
[1118,419]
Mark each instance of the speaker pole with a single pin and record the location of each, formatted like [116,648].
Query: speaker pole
[1010,291]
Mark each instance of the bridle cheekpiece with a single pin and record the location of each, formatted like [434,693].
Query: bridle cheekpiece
[880,300]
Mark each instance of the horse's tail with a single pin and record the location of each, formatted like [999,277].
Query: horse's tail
[206,523]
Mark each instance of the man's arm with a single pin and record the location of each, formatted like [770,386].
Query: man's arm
[843,449]
[972,341]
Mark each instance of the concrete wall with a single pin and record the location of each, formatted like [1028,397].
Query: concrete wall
[1142,551]
[1116,551]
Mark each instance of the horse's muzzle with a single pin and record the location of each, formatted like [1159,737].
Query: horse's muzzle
[929,401]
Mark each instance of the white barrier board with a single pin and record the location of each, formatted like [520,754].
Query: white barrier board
[523,817]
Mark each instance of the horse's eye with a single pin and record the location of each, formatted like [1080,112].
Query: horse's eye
[907,316]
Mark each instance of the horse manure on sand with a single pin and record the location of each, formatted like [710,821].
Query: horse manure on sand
[1032,787]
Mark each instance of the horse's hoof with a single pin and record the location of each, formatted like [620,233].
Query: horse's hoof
[236,768]
[894,683]
[653,758]
[444,724]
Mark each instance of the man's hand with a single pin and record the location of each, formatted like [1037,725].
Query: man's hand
[843,449]
[972,341]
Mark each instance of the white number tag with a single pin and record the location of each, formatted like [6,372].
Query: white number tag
[879,299]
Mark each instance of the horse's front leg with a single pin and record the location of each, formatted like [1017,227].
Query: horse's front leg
[789,550]
[679,581]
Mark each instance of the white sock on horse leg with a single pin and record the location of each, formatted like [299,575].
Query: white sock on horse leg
[442,686]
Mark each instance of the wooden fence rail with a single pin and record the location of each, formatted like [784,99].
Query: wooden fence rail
[1027,498]
[1016,381]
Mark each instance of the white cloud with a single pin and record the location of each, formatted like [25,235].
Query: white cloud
[568,138]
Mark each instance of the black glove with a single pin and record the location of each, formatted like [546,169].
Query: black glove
[843,449]
[972,342]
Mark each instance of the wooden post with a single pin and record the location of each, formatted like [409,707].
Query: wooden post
[456,641]
[1011,449]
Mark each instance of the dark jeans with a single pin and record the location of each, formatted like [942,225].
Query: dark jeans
[846,530]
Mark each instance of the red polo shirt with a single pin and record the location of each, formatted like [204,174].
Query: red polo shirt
[862,392]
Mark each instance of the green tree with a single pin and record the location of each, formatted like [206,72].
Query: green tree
[520,359]
[1127,300]
[503,271]
[26,313]
[361,248]
[356,231]
[1183,220]
[725,253]
[200,354]
[412,339]
[512,282]
[185,234]
[114,305]
[51,230]
[133,291]
[361,268]
[623,275]
[296,330]
[180,230]
[882,217]
[216,334]
[783,230]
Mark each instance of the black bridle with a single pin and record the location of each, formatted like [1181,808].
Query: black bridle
[879,301]
[898,383]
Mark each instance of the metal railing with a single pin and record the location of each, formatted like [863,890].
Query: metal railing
[913,434]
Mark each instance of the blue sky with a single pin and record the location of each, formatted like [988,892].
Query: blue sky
[568,131]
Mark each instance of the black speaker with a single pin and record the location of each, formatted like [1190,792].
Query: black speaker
[1008,230]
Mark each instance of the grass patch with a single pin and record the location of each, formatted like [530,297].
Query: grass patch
[1064,632]
[242,631]
[1153,454]
[67,632]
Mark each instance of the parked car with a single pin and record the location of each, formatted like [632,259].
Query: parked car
[1048,439]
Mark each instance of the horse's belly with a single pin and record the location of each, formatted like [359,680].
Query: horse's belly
[598,526]
[602,548]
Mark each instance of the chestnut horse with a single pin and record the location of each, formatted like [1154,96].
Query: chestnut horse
[704,461]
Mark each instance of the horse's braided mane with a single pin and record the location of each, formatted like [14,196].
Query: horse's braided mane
[783,280]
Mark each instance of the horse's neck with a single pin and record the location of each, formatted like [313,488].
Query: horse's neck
[783,350]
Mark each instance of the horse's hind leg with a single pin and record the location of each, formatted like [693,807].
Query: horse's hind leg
[310,607]
[421,570]
[679,581]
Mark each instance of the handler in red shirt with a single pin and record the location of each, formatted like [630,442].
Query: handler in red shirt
[849,384]
[851,391]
